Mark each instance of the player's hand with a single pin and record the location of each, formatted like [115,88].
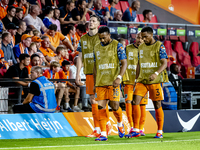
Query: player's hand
[116,82]
[78,79]
[152,77]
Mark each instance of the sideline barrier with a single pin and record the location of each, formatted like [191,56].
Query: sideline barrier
[22,126]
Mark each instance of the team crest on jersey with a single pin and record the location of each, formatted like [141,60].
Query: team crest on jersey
[126,96]
[84,44]
[110,53]
[152,53]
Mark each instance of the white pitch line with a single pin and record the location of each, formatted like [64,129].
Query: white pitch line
[100,144]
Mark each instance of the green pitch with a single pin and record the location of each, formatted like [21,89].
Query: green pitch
[171,141]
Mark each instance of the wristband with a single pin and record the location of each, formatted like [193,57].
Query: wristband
[156,73]
[119,76]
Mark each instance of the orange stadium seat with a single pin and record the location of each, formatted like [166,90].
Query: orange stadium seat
[124,5]
[194,50]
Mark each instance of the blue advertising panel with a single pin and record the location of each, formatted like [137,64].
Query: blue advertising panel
[20,126]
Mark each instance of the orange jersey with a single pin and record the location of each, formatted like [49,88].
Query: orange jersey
[50,75]
[1,54]
[23,7]
[63,75]
[47,52]
[3,10]
[55,41]
[60,61]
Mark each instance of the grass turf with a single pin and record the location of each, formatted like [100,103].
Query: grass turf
[186,140]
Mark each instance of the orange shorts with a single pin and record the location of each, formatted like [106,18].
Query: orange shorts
[128,92]
[107,93]
[155,91]
[89,84]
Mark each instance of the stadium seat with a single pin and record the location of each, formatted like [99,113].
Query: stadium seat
[153,19]
[124,5]
[118,6]
[127,42]
[183,56]
[140,17]
[87,17]
[194,50]
[2,72]
[105,3]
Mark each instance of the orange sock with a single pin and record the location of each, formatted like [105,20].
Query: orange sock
[118,115]
[102,119]
[159,118]
[143,116]
[136,115]
[107,113]
[129,113]
[95,114]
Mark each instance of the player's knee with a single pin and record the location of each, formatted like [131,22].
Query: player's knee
[157,104]
[114,106]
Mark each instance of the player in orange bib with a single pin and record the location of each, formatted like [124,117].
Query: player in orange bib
[86,59]
[152,72]
[132,62]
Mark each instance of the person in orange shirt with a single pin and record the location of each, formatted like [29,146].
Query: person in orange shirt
[53,73]
[46,50]
[22,4]
[80,30]
[60,54]
[64,74]
[3,8]
[55,38]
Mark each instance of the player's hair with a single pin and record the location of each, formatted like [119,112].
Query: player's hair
[34,55]
[23,56]
[81,27]
[65,62]
[37,69]
[53,27]
[98,19]
[54,64]
[10,8]
[145,12]
[59,49]
[104,29]
[147,29]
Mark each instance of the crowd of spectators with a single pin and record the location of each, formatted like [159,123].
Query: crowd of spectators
[46,33]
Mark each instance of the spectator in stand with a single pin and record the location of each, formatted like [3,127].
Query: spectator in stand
[7,49]
[118,15]
[35,61]
[64,74]
[32,49]
[36,33]
[147,14]
[175,70]
[20,31]
[19,70]
[33,21]
[46,50]
[66,54]
[3,63]
[55,19]
[51,3]
[3,8]
[60,54]
[2,28]
[80,30]
[72,74]
[101,12]
[79,13]
[66,14]
[22,4]
[10,17]
[53,73]
[19,14]
[29,31]
[70,35]
[39,99]
[49,12]
[111,8]
[12,28]
[43,62]
[122,41]
[55,38]
[22,47]
[37,41]
[130,13]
